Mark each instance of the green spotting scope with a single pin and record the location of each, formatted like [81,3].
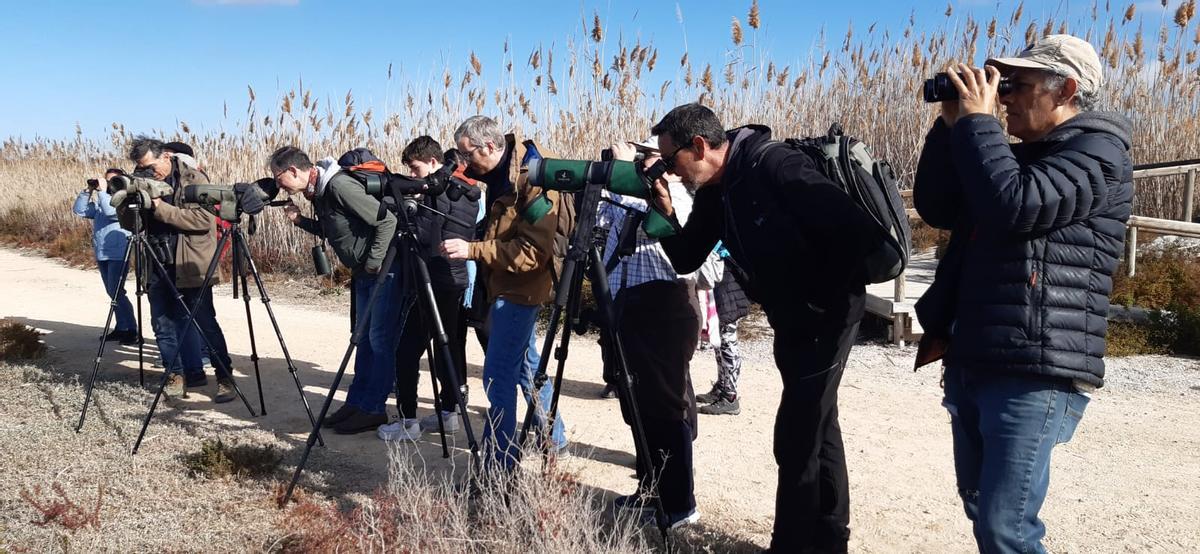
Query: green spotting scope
[619,177]
[234,200]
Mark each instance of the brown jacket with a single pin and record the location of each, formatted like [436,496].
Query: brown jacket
[515,255]
[197,227]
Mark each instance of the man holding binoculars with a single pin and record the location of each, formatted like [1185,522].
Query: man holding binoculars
[1019,304]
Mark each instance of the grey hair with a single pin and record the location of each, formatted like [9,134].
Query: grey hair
[143,145]
[1084,101]
[479,130]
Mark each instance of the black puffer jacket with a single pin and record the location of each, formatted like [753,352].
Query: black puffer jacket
[1037,231]
[446,274]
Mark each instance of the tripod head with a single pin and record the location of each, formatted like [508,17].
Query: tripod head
[406,208]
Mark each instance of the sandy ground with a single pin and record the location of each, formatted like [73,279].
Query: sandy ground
[1128,482]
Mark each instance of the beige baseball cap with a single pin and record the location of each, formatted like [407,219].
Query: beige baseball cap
[1064,54]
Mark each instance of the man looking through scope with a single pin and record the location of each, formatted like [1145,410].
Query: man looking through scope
[775,211]
[183,236]
[359,232]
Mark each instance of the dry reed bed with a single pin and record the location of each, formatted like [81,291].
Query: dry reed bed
[596,89]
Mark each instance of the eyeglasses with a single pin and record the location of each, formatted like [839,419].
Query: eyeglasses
[467,153]
[276,176]
[669,161]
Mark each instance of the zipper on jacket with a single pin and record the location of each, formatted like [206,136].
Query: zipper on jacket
[1037,280]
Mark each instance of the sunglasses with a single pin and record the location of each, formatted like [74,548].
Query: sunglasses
[669,161]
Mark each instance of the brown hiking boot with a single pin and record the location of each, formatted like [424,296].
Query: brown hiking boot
[225,391]
[175,387]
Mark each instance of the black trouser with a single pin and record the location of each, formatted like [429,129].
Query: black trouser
[812,502]
[414,339]
[659,332]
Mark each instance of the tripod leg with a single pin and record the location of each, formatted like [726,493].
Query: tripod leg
[226,237]
[191,322]
[162,382]
[287,356]
[437,398]
[239,278]
[108,320]
[139,273]
[443,343]
[567,300]
[360,328]
[427,346]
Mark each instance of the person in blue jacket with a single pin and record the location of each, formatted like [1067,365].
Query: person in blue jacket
[109,241]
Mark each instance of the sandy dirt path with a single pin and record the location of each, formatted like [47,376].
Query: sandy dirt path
[1129,482]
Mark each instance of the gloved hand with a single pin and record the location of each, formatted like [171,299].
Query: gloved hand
[250,197]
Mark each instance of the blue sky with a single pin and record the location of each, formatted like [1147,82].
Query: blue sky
[151,63]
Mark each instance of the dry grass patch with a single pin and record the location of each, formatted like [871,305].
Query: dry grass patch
[528,511]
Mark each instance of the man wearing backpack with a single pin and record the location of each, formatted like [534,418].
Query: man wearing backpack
[517,258]
[1020,299]
[797,243]
[360,233]
[448,279]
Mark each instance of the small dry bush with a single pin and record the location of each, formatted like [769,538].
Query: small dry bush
[19,341]
[1168,283]
[524,512]
[217,459]
[924,236]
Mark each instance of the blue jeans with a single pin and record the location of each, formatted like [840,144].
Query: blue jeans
[178,346]
[1005,427]
[375,360]
[206,317]
[110,273]
[511,359]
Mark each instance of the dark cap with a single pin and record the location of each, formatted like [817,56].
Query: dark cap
[179,148]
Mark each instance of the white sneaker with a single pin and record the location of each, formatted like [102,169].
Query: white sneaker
[429,423]
[404,429]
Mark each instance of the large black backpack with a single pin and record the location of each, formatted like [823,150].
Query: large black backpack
[871,185]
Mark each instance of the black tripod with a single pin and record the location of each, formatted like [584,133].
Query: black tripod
[405,239]
[243,264]
[135,251]
[191,322]
[584,257]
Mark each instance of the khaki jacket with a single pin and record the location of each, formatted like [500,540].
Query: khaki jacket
[517,256]
[197,227]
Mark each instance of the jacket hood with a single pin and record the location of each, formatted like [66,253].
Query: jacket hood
[742,142]
[1112,123]
[326,169]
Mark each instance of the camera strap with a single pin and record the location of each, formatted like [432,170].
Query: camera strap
[626,239]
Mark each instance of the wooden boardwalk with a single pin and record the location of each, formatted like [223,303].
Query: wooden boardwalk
[882,299]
